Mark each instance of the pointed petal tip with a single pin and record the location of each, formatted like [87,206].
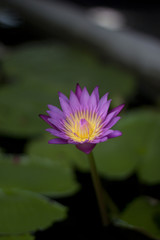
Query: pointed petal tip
[50,106]
[84,97]
[96,87]
[78,91]
[116,133]
[48,129]
[109,100]
[121,106]
[78,85]
[43,116]
[60,94]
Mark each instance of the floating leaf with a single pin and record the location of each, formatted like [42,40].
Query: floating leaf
[143,214]
[40,71]
[59,62]
[113,160]
[136,150]
[66,154]
[23,212]
[149,167]
[37,175]
[19,111]
[20,237]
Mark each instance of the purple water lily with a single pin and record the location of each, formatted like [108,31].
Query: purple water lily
[84,120]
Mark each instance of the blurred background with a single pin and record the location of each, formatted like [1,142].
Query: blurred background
[50,46]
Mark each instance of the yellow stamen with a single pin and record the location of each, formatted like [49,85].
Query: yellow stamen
[83,125]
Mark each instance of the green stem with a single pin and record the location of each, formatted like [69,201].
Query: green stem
[98,190]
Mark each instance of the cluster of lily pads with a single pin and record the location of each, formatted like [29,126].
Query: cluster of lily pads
[34,73]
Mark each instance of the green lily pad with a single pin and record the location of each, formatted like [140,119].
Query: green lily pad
[23,212]
[144,215]
[36,174]
[39,71]
[136,150]
[20,237]
[68,154]
[52,62]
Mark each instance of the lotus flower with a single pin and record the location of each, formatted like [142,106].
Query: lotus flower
[84,120]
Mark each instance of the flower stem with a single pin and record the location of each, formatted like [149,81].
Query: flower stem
[98,190]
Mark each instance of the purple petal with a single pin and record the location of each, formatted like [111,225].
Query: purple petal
[84,97]
[103,100]
[85,147]
[106,132]
[56,122]
[46,119]
[74,102]
[65,106]
[103,110]
[56,116]
[57,141]
[117,109]
[116,133]
[70,141]
[56,133]
[61,95]
[98,140]
[56,111]
[113,122]
[108,118]
[92,100]
[78,91]
[96,92]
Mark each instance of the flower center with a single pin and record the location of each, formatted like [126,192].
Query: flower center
[85,129]
[83,126]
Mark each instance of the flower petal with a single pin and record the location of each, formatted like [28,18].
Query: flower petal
[58,141]
[106,132]
[92,102]
[103,110]
[86,147]
[61,95]
[116,133]
[103,100]
[74,102]
[113,122]
[54,115]
[84,97]
[96,92]
[108,118]
[56,111]
[65,106]
[56,133]
[46,119]
[98,140]
[56,122]
[78,91]
[117,109]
